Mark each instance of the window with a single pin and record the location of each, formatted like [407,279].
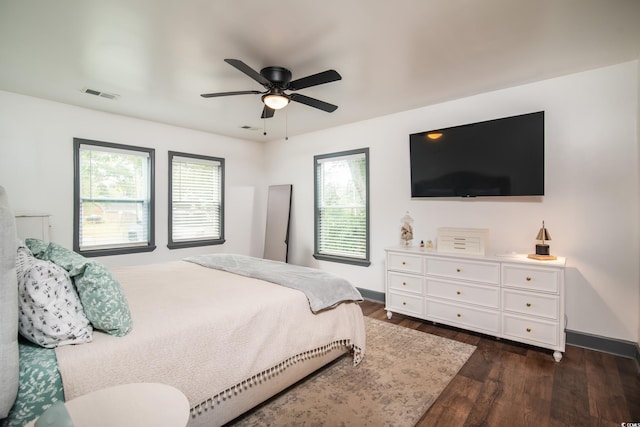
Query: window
[113,198]
[196,200]
[342,207]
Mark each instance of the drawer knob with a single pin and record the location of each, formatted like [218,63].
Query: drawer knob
[404,283]
[528,278]
[404,263]
[528,329]
[459,315]
[458,292]
[458,270]
[404,303]
[528,304]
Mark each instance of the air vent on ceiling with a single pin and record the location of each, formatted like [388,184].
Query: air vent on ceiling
[247,127]
[101,94]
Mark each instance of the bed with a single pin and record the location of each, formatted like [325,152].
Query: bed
[214,326]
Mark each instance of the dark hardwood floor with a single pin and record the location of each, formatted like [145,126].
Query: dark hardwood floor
[510,384]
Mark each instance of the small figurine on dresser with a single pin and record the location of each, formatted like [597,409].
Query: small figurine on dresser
[406,231]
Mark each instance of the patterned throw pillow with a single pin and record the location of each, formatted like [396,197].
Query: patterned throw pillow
[103,300]
[102,296]
[36,246]
[50,312]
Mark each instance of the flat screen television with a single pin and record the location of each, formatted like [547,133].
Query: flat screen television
[501,157]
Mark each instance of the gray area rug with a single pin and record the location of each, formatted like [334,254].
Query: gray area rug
[402,374]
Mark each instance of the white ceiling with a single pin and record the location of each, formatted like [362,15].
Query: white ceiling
[393,55]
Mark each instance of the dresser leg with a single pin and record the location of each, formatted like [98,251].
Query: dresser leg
[389,314]
[557,356]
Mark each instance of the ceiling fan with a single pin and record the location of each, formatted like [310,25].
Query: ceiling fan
[277,80]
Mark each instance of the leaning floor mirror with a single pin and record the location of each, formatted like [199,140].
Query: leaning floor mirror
[276,237]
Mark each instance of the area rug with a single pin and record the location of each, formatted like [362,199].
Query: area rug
[402,374]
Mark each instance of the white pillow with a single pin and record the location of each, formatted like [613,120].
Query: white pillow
[50,312]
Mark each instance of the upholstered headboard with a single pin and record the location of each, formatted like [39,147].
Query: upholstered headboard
[8,307]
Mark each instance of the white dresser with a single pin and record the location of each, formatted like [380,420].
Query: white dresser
[511,297]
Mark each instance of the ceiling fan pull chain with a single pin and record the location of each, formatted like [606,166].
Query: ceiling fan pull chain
[286,125]
[264,126]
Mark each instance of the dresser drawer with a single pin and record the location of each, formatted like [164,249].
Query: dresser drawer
[530,278]
[488,296]
[468,317]
[530,330]
[406,304]
[542,305]
[485,272]
[404,262]
[405,282]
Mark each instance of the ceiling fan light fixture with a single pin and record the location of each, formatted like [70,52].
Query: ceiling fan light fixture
[275,101]
[275,81]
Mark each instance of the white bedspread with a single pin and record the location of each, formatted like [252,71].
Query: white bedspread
[204,331]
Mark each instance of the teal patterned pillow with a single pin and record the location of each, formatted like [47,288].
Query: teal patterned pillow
[103,300]
[36,246]
[71,261]
[102,297]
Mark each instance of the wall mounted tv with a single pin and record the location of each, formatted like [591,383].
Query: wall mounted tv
[502,157]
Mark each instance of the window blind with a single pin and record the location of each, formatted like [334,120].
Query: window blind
[196,198]
[342,206]
[114,197]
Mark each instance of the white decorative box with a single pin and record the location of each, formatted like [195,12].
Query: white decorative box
[470,241]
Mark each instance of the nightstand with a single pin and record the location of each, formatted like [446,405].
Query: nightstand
[131,405]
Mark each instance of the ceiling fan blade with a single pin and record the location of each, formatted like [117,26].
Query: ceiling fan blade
[312,102]
[242,92]
[267,112]
[315,79]
[249,71]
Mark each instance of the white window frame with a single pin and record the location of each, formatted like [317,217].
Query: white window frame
[323,248]
[145,199]
[216,199]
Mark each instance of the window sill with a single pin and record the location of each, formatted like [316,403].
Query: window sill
[115,251]
[193,244]
[343,260]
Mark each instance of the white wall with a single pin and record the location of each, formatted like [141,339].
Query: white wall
[36,168]
[591,202]
[591,206]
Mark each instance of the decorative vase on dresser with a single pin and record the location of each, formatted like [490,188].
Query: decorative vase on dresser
[510,297]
